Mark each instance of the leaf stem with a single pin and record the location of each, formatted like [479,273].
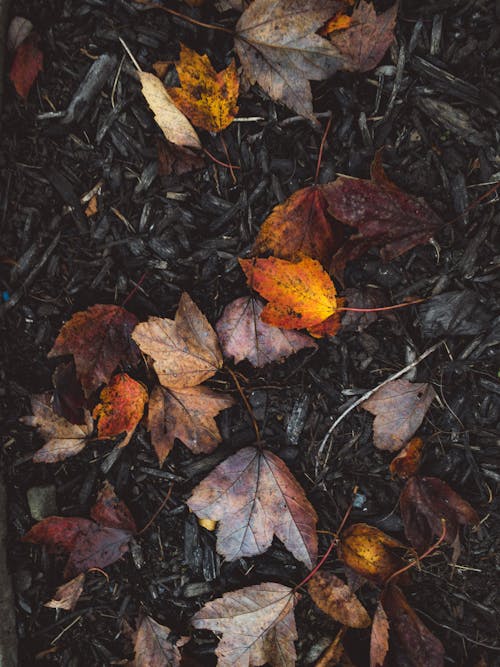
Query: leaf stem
[226,151]
[247,404]
[217,161]
[155,515]
[376,310]
[154,5]
[321,148]
[427,553]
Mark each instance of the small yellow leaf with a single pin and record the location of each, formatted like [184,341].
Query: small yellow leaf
[209,524]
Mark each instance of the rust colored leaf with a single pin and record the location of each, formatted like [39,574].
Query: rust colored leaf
[243,334]
[257,624]
[185,351]
[301,294]
[370,552]
[415,645]
[121,408]
[254,496]
[337,600]
[99,338]
[63,439]
[407,462]
[153,647]
[28,62]
[424,502]
[279,49]
[208,98]
[112,512]
[367,38]
[399,408]
[186,414]
[379,639]
[177,160]
[68,594]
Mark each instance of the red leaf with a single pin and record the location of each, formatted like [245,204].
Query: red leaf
[112,512]
[28,62]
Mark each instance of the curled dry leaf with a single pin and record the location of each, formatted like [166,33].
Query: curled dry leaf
[407,462]
[186,414]
[68,594]
[379,638]
[152,646]
[63,439]
[301,294]
[243,334]
[370,552]
[19,29]
[99,338]
[279,49]
[337,600]
[185,351]
[27,64]
[257,625]
[254,496]
[121,408]
[208,98]
[399,408]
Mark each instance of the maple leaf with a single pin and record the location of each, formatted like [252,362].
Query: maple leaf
[254,496]
[208,98]
[185,351]
[68,594]
[63,439]
[89,543]
[336,599]
[367,37]
[243,334]
[121,408]
[257,625]
[152,646]
[301,294]
[399,408]
[278,49]
[186,414]
[300,226]
[27,64]
[379,638]
[99,339]
[407,462]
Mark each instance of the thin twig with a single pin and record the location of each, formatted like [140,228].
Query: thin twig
[246,402]
[153,518]
[153,5]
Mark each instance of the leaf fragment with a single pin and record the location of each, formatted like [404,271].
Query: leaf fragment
[407,462]
[153,647]
[336,599]
[67,595]
[379,638]
[27,64]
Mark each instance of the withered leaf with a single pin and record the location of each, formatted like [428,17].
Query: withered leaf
[99,338]
[336,599]
[257,625]
[243,334]
[176,159]
[68,594]
[186,414]
[27,64]
[279,49]
[254,496]
[407,462]
[399,408]
[185,351]
[379,638]
[152,646]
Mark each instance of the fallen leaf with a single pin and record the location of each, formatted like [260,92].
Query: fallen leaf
[367,38]
[254,496]
[279,49]
[336,599]
[424,502]
[301,294]
[399,408]
[379,638]
[27,64]
[257,625]
[68,594]
[99,338]
[407,462]
[89,544]
[63,439]
[177,160]
[370,552]
[19,29]
[185,351]
[334,656]
[208,98]
[415,645]
[172,122]
[186,414]
[243,334]
[152,645]
[92,207]
[121,408]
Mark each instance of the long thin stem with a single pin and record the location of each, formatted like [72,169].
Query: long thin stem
[427,553]
[217,161]
[154,5]
[226,151]
[247,404]
[153,518]
[321,148]
[376,310]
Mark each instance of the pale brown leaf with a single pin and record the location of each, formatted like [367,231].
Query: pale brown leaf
[67,595]
[153,647]
[337,600]
[379,639]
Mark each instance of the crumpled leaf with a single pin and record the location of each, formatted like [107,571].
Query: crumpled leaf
[279,49]
[152,646]
[68,594]
[254,496]
[121,408]
[370,552]
[27,64]
[367,37]
[379,638]
[186,414]
[89,543]
[208,98]
[243,334]
[399,408]
[185,351]
[171,121]
[301,294]
[335,598]
[19,29]
[407,462]
[257,624]
[99,338]
[63,439]
[424,502]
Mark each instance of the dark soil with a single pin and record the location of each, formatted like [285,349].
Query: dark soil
[155,237]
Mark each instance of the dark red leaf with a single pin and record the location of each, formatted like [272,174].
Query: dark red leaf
[28,62]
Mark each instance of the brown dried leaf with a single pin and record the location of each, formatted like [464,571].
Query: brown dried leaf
[335,656]
[67,595]
[379,639]
[337,600]
[407,462]
[152,646]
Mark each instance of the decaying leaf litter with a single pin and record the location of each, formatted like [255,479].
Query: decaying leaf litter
[191,244]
